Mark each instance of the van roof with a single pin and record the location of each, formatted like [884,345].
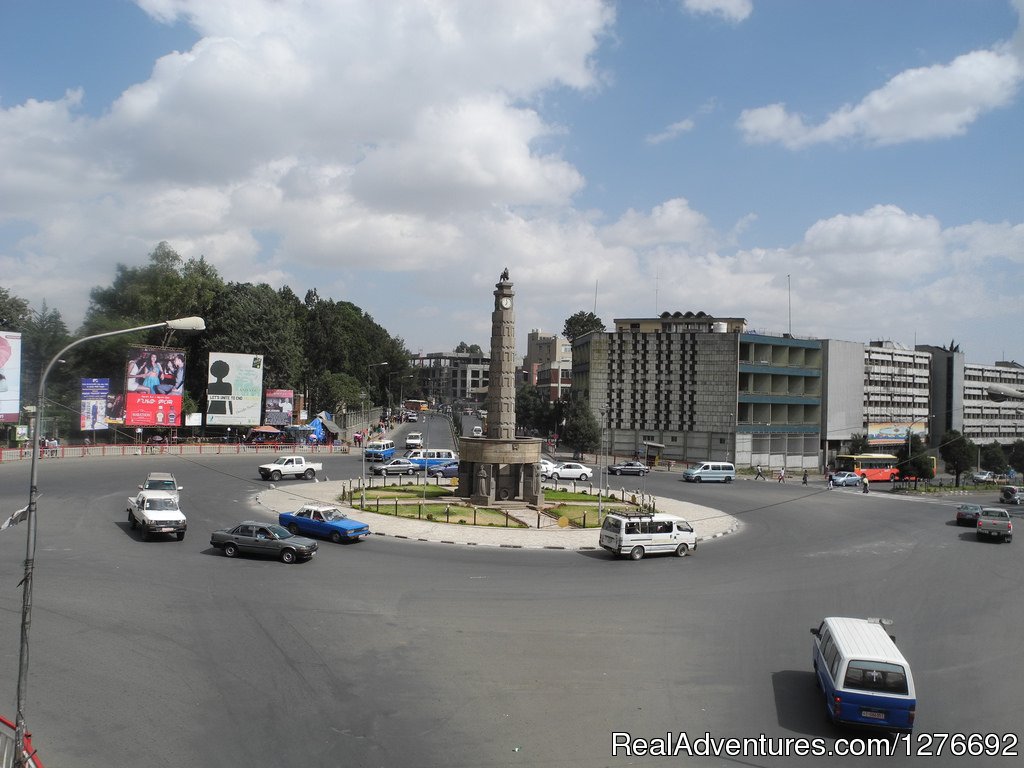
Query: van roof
[656,516]
[864,639]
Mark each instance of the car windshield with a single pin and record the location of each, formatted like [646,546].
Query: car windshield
[280,531]
[160,485]
[334,514]
[161,505]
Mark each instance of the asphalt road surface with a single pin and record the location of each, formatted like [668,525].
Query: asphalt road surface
[399,653]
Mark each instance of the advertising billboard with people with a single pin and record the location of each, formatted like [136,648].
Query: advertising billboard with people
[94,404]
[10,376]
[154,385]
[234,389]
[278,410]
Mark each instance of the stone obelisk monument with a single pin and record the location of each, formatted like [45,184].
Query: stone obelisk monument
[500,467]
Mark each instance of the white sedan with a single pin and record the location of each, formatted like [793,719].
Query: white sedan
[570,470]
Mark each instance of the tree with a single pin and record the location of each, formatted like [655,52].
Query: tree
[533,410]
[859,443]
[918,463]
[1015,456]
[581,432]
[958,452]
[14,312]
[581,323]
[472,349]
[993,458]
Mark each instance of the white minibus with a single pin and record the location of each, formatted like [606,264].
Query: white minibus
[638,534]
[711,472]
[863,675]
[425,458]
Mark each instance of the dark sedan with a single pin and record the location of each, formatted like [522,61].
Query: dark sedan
[267,539]
[629,468]
[450,469]
[967,514]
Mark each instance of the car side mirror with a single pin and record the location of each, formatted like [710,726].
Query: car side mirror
[181,487]
[140,487]
[814,631]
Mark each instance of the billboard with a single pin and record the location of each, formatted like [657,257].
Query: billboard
[154,385]
[234,389]
[278,410]
[10,375]
[895,432]
[94,404]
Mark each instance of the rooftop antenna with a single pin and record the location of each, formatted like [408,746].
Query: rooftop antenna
[789,290]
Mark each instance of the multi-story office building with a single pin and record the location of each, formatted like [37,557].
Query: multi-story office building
[548,363]
[453,377]
[689,387]
[960,398]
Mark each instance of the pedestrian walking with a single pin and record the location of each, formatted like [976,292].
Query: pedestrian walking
[760,474]
[831,480]
[782,475]
[865,483]
[804,481]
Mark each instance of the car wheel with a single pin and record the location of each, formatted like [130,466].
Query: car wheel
[409,471]
[132,523]
[697,478]
[288,556]
[618,471]
[336,537]
[293,529]
[554,476]
[682,550]
[230,549]
[728,479]
[1007,539]
[636,553]
[309,474]
[180,535]
[584,477]
[275,475]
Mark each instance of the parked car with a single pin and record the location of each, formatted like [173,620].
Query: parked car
[629,468]
[570,470]
[323,521]
[967,514]
[1011,494]
[448,469]
[396,466]
[984,477]
[845,478]
[266,539]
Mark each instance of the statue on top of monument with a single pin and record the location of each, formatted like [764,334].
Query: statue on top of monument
[504,275]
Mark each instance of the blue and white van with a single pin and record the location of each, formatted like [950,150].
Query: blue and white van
[425,458]
[379,450]
[711,472]
[864,677]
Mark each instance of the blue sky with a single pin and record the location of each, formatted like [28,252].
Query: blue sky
[663,155]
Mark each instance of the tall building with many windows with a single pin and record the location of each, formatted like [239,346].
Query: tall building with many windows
[689,387]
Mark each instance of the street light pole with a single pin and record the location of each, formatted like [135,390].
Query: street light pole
[180,324]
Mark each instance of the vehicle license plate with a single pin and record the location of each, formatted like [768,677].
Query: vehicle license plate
[166,530]
[872,714]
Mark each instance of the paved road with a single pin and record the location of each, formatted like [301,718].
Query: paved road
[401,653]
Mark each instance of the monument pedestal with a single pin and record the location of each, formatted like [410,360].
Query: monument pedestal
[492,470]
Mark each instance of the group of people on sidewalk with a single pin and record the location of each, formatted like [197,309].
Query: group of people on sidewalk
[865,483]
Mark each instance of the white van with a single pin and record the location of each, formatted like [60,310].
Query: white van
[425,458]
[478,431]
[711,472]
[863,676]
[638,534]
[414,440]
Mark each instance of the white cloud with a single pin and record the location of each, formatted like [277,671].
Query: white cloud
[918,104]
[674,130]
[731,10]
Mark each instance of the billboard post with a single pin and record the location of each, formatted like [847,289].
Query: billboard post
[180,324]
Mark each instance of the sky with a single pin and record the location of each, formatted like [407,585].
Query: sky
[850,169]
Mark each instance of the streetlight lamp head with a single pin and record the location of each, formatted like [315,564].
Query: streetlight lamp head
[187,324]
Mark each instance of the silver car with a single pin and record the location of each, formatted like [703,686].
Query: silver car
[267,539]
[846,478]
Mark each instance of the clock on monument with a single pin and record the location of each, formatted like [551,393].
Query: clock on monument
[506,302]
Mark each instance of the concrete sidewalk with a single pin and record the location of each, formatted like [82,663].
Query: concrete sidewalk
[707,523]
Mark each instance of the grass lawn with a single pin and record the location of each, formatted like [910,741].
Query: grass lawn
[586,515]
[440,513]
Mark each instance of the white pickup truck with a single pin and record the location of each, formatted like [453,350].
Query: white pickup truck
[296,466]
[156,512]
